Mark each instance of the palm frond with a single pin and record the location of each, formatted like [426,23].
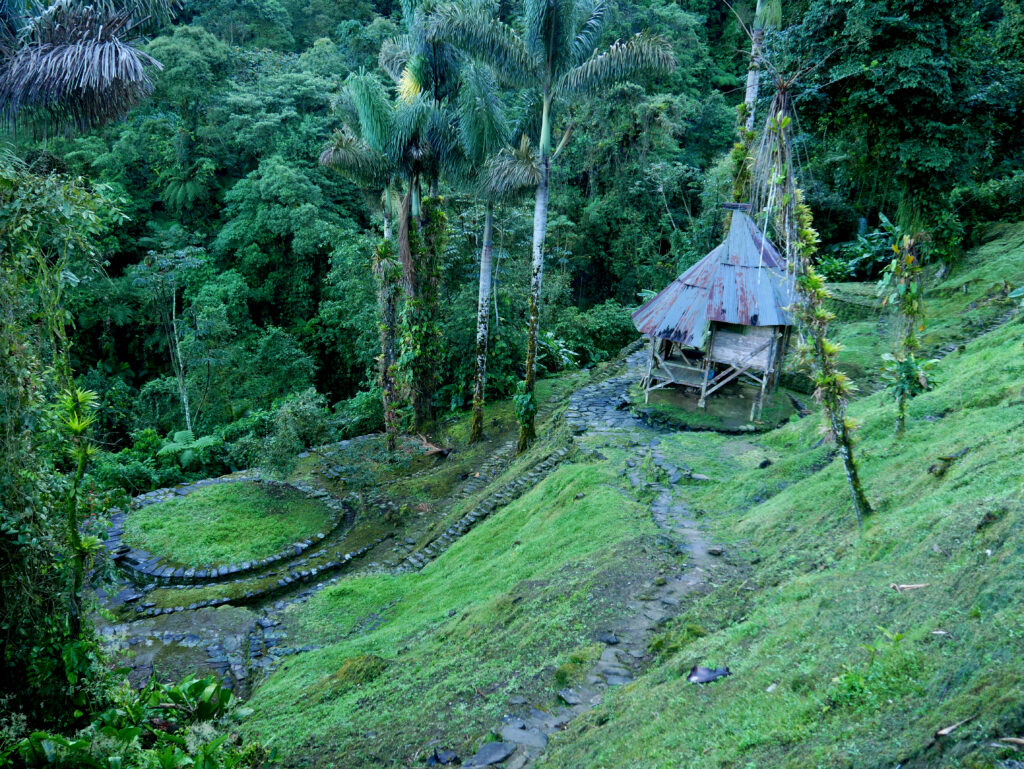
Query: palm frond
[394,56]
[74,68]
[442,133]
[483,119]
[408,139]
[511,172]
[72,62]
[643,52]
[350,155]
[374,109]
[769,14]
[487,39]
[585,43]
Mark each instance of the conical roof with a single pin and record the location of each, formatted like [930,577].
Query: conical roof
[742,281]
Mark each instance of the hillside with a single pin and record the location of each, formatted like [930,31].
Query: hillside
[833,663]
[353,367]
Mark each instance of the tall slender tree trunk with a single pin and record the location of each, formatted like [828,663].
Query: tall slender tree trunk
[405,222]
[483,307]
[837,422]
[177,364]
[387,297]
[753,76]
[527,428]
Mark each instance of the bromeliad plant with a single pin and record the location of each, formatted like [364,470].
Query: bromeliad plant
[907,378]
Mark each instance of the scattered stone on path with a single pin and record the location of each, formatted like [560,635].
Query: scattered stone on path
[517,700]
[529,738]
[607,637]
[716,550]
[569,696]
[443,758]
[491,753]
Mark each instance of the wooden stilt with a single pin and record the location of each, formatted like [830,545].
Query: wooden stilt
[648,381]
[707,368]
[769,370]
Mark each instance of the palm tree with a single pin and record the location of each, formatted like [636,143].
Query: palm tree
[485,129]
[398,140]
[555,59]
[767,16]
[73,62]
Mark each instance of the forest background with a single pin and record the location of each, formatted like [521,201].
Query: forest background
[237,268]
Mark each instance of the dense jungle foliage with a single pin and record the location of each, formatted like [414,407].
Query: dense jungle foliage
[219,288]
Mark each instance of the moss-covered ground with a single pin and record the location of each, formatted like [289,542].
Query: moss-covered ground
[226,523]
[848,647]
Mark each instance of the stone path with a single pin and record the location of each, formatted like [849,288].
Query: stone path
[601,409]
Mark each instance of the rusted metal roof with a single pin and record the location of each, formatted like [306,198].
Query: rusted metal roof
[742,281]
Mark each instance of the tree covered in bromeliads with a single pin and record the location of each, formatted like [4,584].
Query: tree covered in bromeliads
[781,199]
[902,292]
[552,59]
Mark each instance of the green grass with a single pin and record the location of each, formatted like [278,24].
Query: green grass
[424,483]
[831,666]
[822,677]
[520,595]
[226,523]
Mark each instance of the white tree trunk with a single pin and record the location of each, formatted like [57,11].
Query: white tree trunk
[540,225]
[753,76]
[482,322]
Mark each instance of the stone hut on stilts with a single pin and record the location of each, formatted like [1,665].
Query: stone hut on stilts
[723,320]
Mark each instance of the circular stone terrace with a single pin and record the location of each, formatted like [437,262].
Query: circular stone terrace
[220,528]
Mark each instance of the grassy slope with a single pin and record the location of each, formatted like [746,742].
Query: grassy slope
[226,523]
[515,596]
[814,591]
[806,691]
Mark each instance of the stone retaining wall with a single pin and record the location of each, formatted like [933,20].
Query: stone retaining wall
[506,494]
[142,566]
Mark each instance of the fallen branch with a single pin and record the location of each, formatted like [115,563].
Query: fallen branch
[947,730]
[901,588]
[430,449]
[939,468]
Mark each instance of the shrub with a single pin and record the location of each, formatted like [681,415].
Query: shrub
[597,334]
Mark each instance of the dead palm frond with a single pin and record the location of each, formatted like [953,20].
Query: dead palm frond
[72,63]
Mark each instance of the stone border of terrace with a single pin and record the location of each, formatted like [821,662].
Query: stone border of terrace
[146,567]
[293,577]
